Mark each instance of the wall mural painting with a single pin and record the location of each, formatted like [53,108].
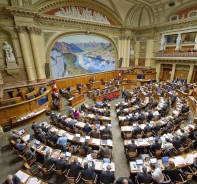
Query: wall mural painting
[81,54]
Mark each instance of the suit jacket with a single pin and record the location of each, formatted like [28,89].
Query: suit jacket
[155,146]
[53,138]
[48,162]
[184,138]
[147,129]
[75,169]
[137,130]
[15,180]
[176,144]
[41,137]
[87,129]
[106,130]
[144,178]
[88,174]
[107,177]
[61,164]
[132,147]
[20,147]
[173,174]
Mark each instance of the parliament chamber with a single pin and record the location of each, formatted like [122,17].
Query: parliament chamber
[95,91]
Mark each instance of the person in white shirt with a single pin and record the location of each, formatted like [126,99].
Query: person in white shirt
[156,113]
[156,174]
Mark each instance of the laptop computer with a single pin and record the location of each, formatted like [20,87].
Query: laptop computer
[165,161]
[154,161]
[77,137]
[37,144]
[140,140]
[139,163]
[68,154]
[87,138]
[104,141]
[106,160]
[150,139]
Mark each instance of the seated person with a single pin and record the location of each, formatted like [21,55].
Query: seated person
[12,180]
[87,128]
[53,116]
[44,129]
[70,112]
[48,160]
[124,180]
[76,114]
[75,168]
[137,130]
[176,142]
[147,128]
[156,174]
[132,147]
[86,147]
[107,130]
[63,141]
[53,137]
[107,176]
[155,146]
[88,172]
[106,150]
[30,153]
[156,127]
[172,172]
[42,90]
[184,137]
[167,145]
[14,134]
[30,89]
[144,177]
[19,146]
[41,136]
[62,163]
[94,132]
[56,102]
[35,127]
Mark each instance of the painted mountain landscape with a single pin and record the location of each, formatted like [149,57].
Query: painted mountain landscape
[81,54]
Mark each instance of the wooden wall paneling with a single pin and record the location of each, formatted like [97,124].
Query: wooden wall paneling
[166,74]
[181,74]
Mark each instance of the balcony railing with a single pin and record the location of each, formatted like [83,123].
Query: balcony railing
[177,54]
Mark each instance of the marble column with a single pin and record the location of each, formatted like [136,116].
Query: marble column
[149,52]
[158,70]
[128,51]
[189,77]
[137,52]
[27,53]
[34,34]
[1,80]
[173,72]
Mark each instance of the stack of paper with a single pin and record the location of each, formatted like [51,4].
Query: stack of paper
[96,141]
[33,181]
[22,175]
[61,132]
[26,137]
[98,165]
[109,142]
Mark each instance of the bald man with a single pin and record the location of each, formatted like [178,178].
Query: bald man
[124,180]
[107,176]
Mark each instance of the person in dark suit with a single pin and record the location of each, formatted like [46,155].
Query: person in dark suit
[124,180]
[107,130]
[137,130]
[147,128]
[75,168]
[12,180]
[86,147]
[172,172]
[184,137]
[131,147]
[41,136]
[126,96]
[48,160]
[155,146]
[44,129]
[87,129]
[176,142]
[141,117]
[53,138]
[88,172]
[96,118]
[35,127]
[144,177]
[107,176]
[53,116]
[62,163]
[19,146]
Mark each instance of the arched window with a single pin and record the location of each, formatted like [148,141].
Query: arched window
[193,14]
[174,17]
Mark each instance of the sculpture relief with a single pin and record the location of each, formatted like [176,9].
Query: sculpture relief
[82,14]
[178,42]
[8,52]
[132,52]
[162,43]
[12,67]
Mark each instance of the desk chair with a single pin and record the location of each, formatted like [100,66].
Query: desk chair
[137,182]
[106,136]
[157,153]
[52,144]
[106,122]
[90,181]
[95,135]
[139,135]
[127,135]
[131,155]
[125,123]
[77,130]
[46,171]
[72,180]
[166,180]
[148,134]
[82,152]
[160,132]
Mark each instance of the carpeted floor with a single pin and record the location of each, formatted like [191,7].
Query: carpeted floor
[10,163]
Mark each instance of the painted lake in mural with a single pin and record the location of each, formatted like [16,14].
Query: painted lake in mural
[81,54]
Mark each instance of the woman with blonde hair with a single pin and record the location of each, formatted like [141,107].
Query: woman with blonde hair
[172,171]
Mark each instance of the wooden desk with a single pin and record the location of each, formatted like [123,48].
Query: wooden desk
[76,100]
[26,109]
[10,101]
[101,97]
[33,94]
[94,85]
[30,179]
[102,88]
[82,89]
[127,86]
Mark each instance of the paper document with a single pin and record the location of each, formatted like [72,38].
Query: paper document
[22,175]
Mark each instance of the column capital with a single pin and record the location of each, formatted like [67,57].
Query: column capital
[34,30]
[20,28]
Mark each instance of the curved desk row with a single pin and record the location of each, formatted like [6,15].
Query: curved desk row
[16,113]
[76,100]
